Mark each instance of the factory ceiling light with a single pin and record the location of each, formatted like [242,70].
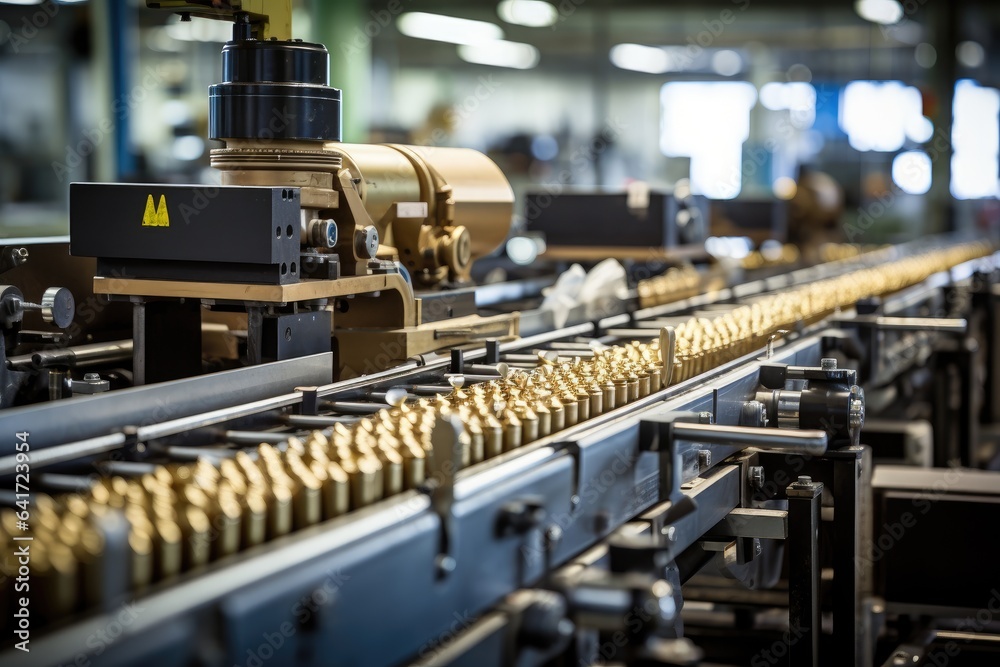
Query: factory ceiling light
[531,13]
[451,29]
[640,58]
[500,53]
[885,12]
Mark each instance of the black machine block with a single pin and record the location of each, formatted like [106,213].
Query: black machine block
[188,232]
[607,219]
[934,526]
[758,218]
[295,335]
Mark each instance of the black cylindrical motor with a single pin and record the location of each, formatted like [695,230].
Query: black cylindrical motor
[274,90]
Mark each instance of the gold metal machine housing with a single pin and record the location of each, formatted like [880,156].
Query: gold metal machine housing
[374,223]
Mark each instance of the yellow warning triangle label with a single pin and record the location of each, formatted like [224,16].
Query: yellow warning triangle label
[149,217]
[156,217]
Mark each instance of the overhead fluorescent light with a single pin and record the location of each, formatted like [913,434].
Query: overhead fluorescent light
[884,12]
[532,13]
[500,53]
[441,28]
[640,58]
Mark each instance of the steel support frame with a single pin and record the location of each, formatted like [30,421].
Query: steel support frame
[847,473]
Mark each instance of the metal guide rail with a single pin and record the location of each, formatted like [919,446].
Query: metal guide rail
[327,505]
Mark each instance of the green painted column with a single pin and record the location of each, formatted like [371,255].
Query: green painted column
[346,27]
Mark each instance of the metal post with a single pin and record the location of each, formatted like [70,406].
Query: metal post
[804,498]
[166,339]
[848,629]
[955,417]
[255,335]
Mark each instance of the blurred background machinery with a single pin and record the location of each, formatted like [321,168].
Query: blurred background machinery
[499,333]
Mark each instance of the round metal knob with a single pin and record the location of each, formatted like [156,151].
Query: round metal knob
[366,242]
[58,306]
[323,233]
[754,413]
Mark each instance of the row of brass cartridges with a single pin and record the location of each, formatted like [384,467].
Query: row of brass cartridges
[184,516]
[703,344]
[787,253]
[54,564]
[506,413]
[676,283]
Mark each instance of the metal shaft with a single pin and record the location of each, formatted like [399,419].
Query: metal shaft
[811,442]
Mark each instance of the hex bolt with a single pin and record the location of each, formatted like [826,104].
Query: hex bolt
[828,363]
[92,383]
[704,458]
[704,417]
[755,475]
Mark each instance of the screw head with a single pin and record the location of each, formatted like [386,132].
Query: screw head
[704,458]
[92,377]
[804,480]
[756,476]
[828,363]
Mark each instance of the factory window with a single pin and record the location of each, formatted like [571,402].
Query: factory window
[883,115]
[975,138]
[708,122]
[796,97]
